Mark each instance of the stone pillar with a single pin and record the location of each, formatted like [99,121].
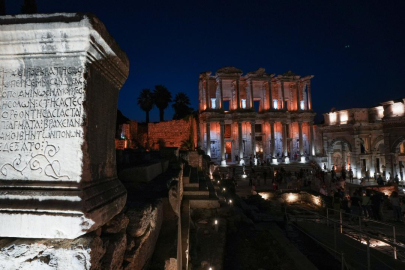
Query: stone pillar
[237,94]
[282,95]
[222,127]
[273,140]
[221,92]
[270,96]
[298,96]
[207,92]
[251,95]
[311,136]
[309,96]
[240,140]
[284,125]
[60,181]
[301,139]
[208,129]
[253,137]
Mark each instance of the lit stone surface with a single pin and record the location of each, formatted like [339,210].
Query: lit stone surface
[60,78]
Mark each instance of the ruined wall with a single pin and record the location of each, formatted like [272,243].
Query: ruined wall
[172,133]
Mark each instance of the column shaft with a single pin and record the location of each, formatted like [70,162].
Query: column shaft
[273,140]
[270,96]
[284,139]
[208,148]
[298,97]
[300,138]
[240,140]
[309,96]
[237,94]
[282,95]
[251,95]
[311,136]
[222,127]
[253,139]
[221,100]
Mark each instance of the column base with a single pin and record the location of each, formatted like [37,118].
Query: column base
[302,159]
[242,162]
[223,162]
[287,160]
[274,161]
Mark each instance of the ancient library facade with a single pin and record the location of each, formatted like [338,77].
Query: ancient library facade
[255,116]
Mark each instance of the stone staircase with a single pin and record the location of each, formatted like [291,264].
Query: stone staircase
[199,190]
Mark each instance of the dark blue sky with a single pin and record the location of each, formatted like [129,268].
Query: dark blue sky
[171,42]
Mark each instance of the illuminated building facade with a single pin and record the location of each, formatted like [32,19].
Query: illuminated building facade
[368,139]
[255,115]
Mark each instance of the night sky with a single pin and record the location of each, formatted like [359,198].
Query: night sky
[355,49]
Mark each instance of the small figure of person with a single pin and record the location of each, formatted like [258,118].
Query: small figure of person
[396,206]
[323,191]
[351,175]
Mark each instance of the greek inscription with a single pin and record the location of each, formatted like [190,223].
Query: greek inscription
[39,106]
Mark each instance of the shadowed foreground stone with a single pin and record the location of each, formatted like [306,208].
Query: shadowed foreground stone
[82,253]
[60,75]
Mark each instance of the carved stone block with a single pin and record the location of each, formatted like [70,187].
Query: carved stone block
[60,75]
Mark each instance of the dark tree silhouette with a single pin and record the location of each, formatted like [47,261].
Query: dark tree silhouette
[181,107]
[29,7]
[162,98]
[2,7]
[146,102]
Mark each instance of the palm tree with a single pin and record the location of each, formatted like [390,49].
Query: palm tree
[181,106]
[145,101]
[162,98]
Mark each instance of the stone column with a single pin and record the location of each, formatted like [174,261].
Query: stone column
[282,95]
[208,129]
[240,140]
[60,181]
[298,97]
[251,95]
[221,91]
[270,96]
[284,125]
[207,92]
[300,138]
[237,94]
[253,137]
[311,136]
[309,96]
[222,126]
[273,140]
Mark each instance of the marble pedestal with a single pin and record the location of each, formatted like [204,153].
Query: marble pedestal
[60,78]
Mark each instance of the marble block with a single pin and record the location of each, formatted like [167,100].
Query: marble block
[60,75]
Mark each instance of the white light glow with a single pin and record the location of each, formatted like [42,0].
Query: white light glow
[302,105]
[292,197]
[332,118]
[275,104]
[398,109]
[316,200]
[264,195]
[243,103]
[213,103]
[216,222]
[344,117]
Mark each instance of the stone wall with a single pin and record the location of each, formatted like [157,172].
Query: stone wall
[172,133]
